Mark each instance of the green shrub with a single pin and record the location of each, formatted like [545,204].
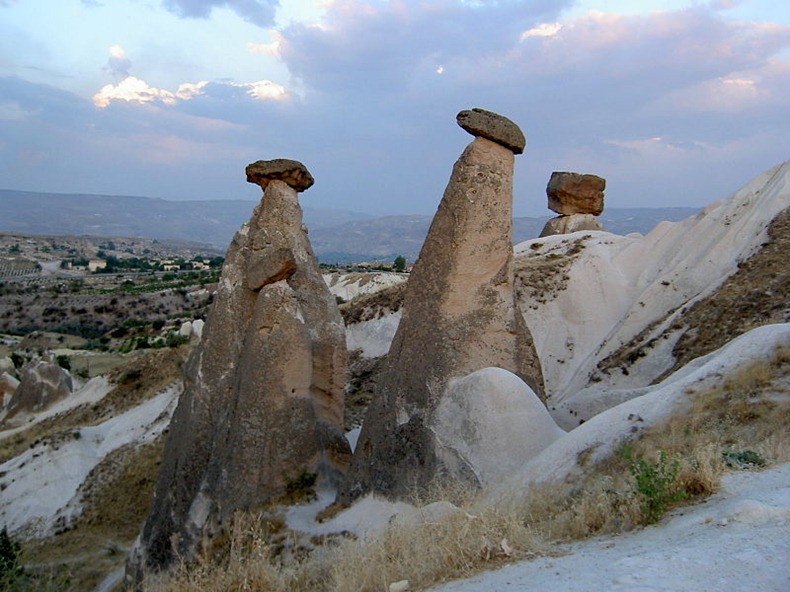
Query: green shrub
[10,565]
[742,459]
[657,484]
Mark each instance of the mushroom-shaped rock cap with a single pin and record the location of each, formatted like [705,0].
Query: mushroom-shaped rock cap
[292,172]
[494,127]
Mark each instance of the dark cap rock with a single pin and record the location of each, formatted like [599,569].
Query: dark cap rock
[292,172]
[494,127]
[573,193]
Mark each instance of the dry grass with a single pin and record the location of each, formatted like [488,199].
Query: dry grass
[750,411]
[99,541]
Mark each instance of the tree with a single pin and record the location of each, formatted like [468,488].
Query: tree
[400,264]
[10,564]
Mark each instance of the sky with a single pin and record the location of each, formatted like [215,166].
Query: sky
[675,103]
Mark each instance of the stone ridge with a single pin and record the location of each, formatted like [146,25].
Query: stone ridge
[494,127]
[292,172]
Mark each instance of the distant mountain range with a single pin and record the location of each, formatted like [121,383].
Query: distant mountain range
[337,235]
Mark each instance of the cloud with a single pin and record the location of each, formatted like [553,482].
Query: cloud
[542,30]
[118,65]
[386,45]
[586,90]
[270,49]
[257,12]
[131,89]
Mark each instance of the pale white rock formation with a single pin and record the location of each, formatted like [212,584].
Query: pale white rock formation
[8,384]
[6,364]
[197,328]
[192,329]
[41,487]
[185,330]
[488,424]
[599,437]
[599,292]
[373,338]
[571,223]
[350,285]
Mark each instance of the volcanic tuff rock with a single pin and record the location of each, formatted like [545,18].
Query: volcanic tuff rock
[8,384]
[458,316]
[488,424]
[292,172]
[572,193]
[42,383]
[571,223]
[263,401]
[494,127]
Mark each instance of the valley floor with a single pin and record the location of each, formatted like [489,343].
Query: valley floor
[737,540]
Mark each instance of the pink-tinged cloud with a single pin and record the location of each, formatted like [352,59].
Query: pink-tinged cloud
[134,90]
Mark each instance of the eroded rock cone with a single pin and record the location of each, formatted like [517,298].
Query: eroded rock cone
[262,406]
[458,316]
[578,199]
[42,383]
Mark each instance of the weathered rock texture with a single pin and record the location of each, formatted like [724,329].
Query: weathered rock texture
[42,383]
[458,317]
[494,127]
[263,399]
[488,424]
[572,193]
[8,384]
[571,223]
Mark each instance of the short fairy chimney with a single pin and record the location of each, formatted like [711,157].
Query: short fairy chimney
[578,199]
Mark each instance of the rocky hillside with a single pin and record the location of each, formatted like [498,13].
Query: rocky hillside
[614,313]
[337,236]
[686,323]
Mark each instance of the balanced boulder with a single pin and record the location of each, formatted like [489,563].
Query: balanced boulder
[262,408]
[572,193]
[459,316]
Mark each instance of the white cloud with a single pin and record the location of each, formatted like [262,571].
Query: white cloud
[264,90]
[188,90]
[132,90]
[543,30]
